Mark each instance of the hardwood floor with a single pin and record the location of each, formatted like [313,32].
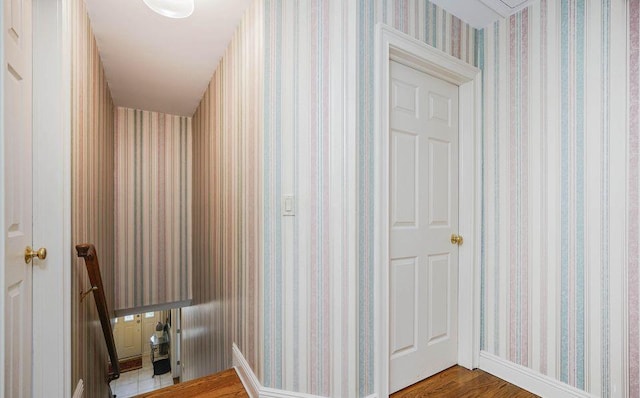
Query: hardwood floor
[459,382]
[455,382]
[225,384]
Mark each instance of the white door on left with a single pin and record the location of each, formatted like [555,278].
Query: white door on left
[18,200]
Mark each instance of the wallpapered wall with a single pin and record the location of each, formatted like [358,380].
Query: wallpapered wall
[251,264]
[554,192]
[92,198]
[552,274]
[153,177]
[434,26]
[227,217]
[308,258]
[633,196]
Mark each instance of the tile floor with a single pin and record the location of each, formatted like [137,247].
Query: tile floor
[140,381]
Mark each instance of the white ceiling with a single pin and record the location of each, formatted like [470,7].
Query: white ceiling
[157,63]
[473,12]
[162,64]
[482,13]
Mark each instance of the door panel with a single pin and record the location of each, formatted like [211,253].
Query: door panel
[439,298]
[18,229]
[423,214]
[439,183]
[405,184]
[127,337]
[403,302]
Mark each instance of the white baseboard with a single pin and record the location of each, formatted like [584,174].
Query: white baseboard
[266,392]
[252,384]
[528,379]
[247,377]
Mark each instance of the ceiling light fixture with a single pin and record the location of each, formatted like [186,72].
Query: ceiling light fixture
[171,8]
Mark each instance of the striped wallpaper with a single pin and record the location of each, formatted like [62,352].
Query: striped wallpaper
[227,209]
[434,26]
[552,273]
[91,197]
[633,197]
[153,177]
[307,155]
[271,124]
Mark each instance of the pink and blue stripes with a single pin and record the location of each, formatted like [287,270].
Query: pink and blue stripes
[572,306]
[272,174]
[633,192]
[544,205]
[518,166]
[367,16]
[605,365]
[298,279]
[496,190]
[320,193]
[483,241]
[551,285]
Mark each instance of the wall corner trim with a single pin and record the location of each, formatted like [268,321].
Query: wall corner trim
[528,379]
[247,377]
[252,384]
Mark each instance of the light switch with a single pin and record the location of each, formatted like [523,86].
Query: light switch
[288,206]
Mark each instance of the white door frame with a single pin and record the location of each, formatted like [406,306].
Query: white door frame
[394,45]
[52,198]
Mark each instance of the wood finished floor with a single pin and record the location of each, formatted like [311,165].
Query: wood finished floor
[225,384]
[456,382]
[459,382]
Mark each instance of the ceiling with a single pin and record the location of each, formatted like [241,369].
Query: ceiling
[164,65]
[157,63]
[481,13]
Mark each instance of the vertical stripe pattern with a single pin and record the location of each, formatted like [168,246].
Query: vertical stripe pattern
[227,209]
[367,18]
[572,257]
[92,185]
[551,294]
[544,208]
[153,176]
[305,310]
[518,196]
[604,189]
[633,221]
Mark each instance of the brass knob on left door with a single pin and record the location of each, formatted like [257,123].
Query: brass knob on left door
[29,254]
[456,239]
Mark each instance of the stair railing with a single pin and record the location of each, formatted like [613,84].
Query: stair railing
[88,252]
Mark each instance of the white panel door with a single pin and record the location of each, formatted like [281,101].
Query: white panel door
[18,228]
[127,336]
[423,198]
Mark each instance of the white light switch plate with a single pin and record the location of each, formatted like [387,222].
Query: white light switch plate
[288,205]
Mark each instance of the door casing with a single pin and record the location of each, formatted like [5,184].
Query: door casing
[394,45]
[52,198]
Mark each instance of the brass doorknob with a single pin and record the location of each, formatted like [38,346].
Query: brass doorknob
[29,254]
[456,239]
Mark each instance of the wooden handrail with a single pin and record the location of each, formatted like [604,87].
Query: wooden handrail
[88,252]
